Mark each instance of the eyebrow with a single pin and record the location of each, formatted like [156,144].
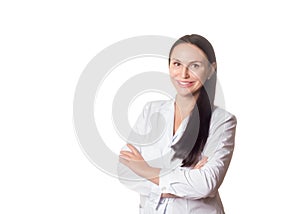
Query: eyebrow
[189,62]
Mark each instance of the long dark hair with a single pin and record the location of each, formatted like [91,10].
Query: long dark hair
[193,140]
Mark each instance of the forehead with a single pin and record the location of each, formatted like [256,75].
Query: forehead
[188,52]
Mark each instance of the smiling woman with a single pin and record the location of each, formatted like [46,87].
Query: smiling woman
[189,68]
[182,170]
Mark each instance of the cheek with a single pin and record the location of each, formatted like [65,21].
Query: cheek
[201,76]
[172,73]
[198,76]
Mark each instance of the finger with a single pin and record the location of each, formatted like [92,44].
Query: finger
[127,153]
[125,157]
[168,195]
[123,161]
[130,155]
[198,166]
[203,160]
[201,163]
[133,149]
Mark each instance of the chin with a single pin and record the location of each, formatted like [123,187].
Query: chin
[185,92]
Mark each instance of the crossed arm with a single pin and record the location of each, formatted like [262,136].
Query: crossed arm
[201,182]
[135,161]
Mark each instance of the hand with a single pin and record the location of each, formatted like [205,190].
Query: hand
[169,195]
[201,163]
[135,161]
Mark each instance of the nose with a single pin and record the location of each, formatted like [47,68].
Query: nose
[184,72]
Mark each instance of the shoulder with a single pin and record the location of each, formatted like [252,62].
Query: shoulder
[221,117]
[220,114]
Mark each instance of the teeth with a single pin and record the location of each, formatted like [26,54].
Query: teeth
[184,83]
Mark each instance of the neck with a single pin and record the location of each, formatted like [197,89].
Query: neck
[185,104]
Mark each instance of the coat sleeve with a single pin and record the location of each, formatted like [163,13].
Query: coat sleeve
[204,182]
[130,179]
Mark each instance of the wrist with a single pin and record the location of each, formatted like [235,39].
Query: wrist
[153,175]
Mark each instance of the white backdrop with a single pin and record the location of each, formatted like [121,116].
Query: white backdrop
[45,46]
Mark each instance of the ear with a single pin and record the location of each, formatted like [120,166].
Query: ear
[212,69]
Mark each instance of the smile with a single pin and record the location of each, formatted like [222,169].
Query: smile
[185,84]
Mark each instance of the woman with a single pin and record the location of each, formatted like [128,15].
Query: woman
[182,169]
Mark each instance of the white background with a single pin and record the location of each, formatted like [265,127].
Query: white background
[45,46]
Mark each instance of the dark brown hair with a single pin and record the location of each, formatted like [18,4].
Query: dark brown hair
[193,140]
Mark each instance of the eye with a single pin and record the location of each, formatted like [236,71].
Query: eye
[176,64]
[195,66]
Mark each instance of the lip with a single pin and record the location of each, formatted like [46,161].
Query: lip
[185,84]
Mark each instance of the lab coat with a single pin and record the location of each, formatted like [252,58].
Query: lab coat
[197,188]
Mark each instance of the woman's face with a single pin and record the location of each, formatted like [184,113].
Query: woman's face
[189,69]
